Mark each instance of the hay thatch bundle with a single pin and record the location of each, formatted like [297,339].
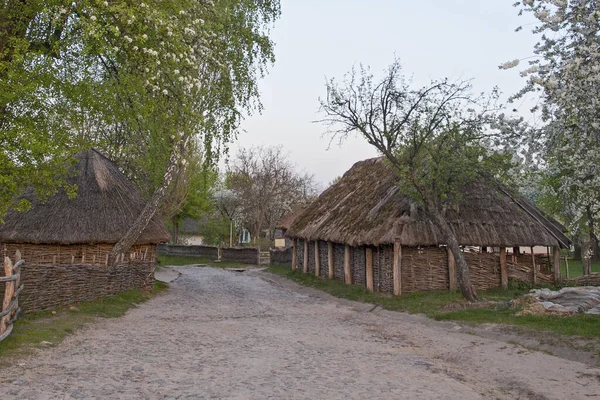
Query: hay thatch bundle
[366,207]
[106,205]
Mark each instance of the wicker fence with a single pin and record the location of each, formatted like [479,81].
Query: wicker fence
[423,268]
[12,288]
[245,255]
[80,273]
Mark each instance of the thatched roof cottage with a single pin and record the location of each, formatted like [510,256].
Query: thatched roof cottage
[364,230]
[65,241]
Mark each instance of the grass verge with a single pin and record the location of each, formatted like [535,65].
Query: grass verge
[576,268]
[47,328]
[165,260]
[435,304]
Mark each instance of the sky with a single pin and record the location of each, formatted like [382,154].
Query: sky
[321,39]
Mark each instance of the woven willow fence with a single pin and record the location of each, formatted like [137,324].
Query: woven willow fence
[12,288]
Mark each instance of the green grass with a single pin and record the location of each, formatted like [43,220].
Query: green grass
[576,268]
[164,260]
[434,305]
[31,329]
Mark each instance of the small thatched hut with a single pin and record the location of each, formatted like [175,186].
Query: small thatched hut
[65,241]
[363,230]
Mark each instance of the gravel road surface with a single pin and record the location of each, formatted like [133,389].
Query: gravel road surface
[218,334]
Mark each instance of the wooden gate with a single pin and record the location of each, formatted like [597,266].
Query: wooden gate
[10,304]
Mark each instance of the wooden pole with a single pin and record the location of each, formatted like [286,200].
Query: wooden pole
[294,254]
[9,290]
[330,260]
[317,261]
[567,267]
[347,272]
[305,260]
[503,268]
[397,269]
[451,270]
[556,262]
[369,260]
[534,268]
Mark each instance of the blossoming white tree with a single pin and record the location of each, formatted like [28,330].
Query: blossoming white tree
[566,73]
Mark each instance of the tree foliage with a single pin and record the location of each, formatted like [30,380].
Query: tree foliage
[565,72]
[139,80]
[267,186]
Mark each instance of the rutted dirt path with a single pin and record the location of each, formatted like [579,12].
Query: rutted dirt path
[228,335]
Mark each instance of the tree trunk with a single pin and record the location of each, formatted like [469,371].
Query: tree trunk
[175,222]
[147,213]
[586,259]
[594,247]
[464,276]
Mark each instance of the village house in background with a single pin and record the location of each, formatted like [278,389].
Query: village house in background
[363,230]
[281,240]
[65,242]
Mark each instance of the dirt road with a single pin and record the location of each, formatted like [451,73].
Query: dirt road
[228,335]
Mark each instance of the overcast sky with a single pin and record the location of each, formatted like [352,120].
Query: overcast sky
[319,39]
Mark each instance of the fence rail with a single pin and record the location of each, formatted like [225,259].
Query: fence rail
[12,288]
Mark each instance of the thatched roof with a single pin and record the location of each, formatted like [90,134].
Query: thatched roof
[366,207]
[106,205]
[286,221]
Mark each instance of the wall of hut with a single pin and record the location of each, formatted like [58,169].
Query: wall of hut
[422,268]
[282,256]
[61,275]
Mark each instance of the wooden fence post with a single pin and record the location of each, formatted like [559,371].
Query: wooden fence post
[317,261]
[397,269]
[503,268]
[330,260]
[9,290]
[369,260]
[305,260]
[567,266]
[451,270]
[534,268]
[294,254]
[347,271]
[556,262]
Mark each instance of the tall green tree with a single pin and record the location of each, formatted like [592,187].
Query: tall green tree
[140,80]
[438,139]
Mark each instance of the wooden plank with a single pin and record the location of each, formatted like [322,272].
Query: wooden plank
[305,260]
[294,254]
[503,268]
[369,260]
[317,261]
[397,269]
[451,270]
[556,262]
[567,267]
[347,271]
[534,267]
[330,260]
